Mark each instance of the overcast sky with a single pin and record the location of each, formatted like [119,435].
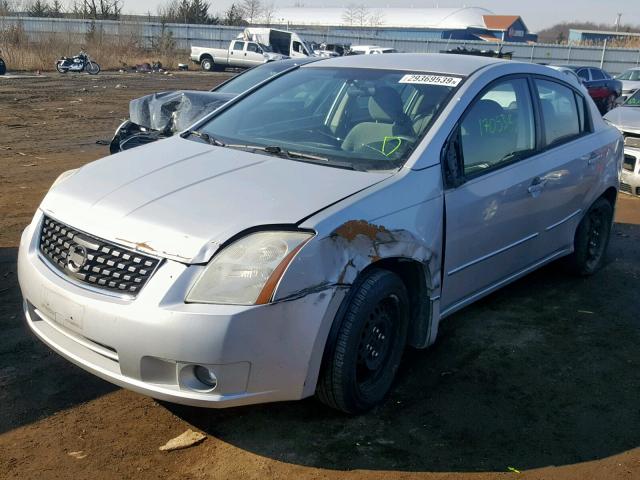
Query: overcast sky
[537,14]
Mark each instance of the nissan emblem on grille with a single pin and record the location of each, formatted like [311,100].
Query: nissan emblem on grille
[76,258]
[93,261]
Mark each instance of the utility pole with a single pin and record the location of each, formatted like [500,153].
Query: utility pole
[619,16]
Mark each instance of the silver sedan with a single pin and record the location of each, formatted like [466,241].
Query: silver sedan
[296,240]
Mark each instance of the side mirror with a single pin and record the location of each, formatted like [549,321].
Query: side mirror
[452,161]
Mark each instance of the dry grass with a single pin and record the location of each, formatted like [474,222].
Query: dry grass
[111,53]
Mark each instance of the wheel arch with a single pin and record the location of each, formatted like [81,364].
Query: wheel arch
[611,195]
[414,276]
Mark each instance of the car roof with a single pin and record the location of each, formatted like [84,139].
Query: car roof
[417,62]
[578,67]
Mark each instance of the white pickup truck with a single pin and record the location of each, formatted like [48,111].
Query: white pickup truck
[240,54]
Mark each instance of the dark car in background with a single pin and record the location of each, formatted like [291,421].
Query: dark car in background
[161,115]
[603,88]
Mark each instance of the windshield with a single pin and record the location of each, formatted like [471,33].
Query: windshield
[632,75]
[266,48]
[633,100]
[352,118]
[251,78]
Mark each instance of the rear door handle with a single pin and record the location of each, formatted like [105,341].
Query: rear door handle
[590,158]
[537,185]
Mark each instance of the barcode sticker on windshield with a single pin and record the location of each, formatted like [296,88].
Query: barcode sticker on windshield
[432,80]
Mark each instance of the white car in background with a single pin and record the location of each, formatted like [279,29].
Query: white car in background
[370,49]
[630,82]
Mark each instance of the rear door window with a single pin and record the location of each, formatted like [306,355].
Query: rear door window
[238,46]
[562,117]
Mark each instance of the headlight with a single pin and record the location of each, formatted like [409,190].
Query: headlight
[62,177]
[247,271]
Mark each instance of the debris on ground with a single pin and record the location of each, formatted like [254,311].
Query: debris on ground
[185,440]
[79,455]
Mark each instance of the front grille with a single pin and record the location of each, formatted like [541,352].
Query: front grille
[629,163]
[625,187]
[631,139]
[94,261]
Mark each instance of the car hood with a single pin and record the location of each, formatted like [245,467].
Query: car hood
[174,111]
[630,84]
[625,118]
[181,199]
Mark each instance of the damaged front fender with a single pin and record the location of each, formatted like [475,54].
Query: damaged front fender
[345,247]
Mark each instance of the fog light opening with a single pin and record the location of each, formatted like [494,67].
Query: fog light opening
[205,376]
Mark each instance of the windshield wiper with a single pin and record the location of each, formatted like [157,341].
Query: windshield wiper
[206,137]
[279,151]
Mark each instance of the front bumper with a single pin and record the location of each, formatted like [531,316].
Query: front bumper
[151,343]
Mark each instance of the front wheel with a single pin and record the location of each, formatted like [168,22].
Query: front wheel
[60,68]
[591,239]
[366,344]
[93,68]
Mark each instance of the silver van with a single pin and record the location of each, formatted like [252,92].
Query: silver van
[296,240]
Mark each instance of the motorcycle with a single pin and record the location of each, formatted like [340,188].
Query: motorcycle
[79,63]
[3,67]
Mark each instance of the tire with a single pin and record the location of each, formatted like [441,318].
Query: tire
[92,68]
[591,239]
[3,67]
[207,64]
[60,69]
[365,344]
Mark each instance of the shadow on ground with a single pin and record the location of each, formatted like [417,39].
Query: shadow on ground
[543,372]
[34,381]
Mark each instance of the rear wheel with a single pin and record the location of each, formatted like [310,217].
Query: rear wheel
[207,64]
[366,344]
[60,69]
[592,238]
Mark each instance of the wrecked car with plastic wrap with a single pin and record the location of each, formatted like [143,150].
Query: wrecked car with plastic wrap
[298,239]
[163,114]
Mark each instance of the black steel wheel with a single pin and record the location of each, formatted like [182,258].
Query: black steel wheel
[592,238]
[366,344]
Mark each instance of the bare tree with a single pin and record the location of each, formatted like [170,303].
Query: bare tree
[252,10]
[349,14]
[7,7]
[376,18]
[268,13]
[362,15]
[234,16]
[356,15]
[97,9]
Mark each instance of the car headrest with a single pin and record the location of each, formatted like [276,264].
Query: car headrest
[385,105]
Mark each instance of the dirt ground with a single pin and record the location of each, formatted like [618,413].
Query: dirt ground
[542,377]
